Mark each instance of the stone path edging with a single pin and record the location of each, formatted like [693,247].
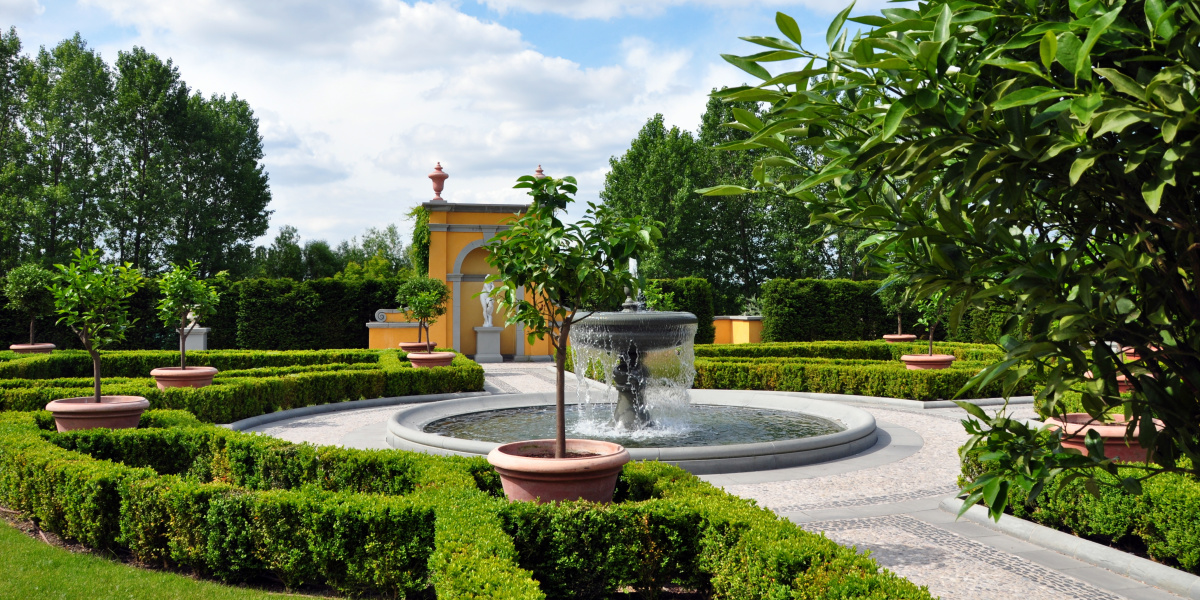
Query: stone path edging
[317,409]
[1135,567]
[904,403]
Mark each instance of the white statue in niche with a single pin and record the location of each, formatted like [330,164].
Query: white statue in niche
[489,304]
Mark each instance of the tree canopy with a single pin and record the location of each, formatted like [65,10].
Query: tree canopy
[126,157]
[1038,154]
[736,242]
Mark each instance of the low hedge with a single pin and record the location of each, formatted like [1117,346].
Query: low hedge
[242,507]
[1164,519]
[256,382]
[857,368]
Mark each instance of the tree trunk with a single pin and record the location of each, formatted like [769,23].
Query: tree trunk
[899,325]
[183,333]
[32,324]
[560,393]
[95,369]
[932,326]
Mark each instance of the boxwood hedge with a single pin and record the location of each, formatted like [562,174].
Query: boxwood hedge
[242,507]
[249,383]
[858,368]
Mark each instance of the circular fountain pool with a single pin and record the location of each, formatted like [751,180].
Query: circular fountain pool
[703,425]
[408,429]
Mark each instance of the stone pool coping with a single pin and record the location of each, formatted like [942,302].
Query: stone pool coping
[305,411]
[1135,567]
[404,431]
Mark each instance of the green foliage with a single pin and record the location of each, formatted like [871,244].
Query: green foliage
[423,299]
[185,302]
[802,310]
[694,295]
[250,383]
[562,267]
[419,249]
[282,314]
[28,290]
[241,507]
[968,139]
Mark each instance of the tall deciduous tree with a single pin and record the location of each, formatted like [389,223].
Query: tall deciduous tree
[14,206]
[1042,154]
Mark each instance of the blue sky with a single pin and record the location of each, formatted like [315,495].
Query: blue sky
[358,99]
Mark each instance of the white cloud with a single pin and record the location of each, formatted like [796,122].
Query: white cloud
[608,9]
[19,10]
[358,101]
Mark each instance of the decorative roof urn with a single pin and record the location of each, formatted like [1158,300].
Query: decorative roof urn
[439,182]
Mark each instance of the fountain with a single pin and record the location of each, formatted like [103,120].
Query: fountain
[645,359]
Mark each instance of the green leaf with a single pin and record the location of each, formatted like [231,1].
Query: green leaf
[724,190]
[1123,83]
[835,27]
[750,67]
[1047,49]
[941,28]
[787,26]
[1083,66]
[770,42]
[927,98]
[747,118]
[1068,50]
[1081,164]
[1152,194]
[1027,96]
[895,113]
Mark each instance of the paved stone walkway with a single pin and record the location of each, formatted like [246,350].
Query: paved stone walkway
[884,501]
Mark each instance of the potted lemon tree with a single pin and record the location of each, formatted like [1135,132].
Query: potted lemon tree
[931,315]
[185,301]
[91,298]
[423,299]
[28,291]
[547,271]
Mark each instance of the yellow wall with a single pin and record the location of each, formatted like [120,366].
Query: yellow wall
[737,330]
[724,329]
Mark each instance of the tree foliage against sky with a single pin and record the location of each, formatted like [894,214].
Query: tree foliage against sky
[1039,154]
[125,157]
[735,242]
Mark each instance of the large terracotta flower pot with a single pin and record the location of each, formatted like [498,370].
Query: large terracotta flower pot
[418,346]
[425,360]
[896,338]
[32,348]
[921,362]
[113,412]
[528,470]
[171,377]
[1075,427]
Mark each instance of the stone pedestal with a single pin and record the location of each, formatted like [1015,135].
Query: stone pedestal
[197,339]
[487,344]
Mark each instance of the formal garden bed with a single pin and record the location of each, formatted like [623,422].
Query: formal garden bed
[239,507]
[857,368]
[249,382]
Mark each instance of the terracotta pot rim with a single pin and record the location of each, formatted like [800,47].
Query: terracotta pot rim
[177,371]
[927,357]
[899,337]
[107,404]
[610,457]
[1078,424]
[28,346]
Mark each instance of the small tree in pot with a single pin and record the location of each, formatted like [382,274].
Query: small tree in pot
[424,299]
[28,291]
[892,296]
[91,298]
[547,269]
[185,301]
[932,315]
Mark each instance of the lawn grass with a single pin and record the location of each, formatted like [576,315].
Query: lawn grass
[32,569]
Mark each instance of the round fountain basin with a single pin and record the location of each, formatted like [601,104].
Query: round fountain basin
[407,430]
[644,329]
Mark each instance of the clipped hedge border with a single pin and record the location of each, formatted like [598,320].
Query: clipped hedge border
[856,368]
[237,506]
[257,382]
[1164,518]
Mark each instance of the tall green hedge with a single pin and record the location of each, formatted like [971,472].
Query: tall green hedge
[694,295]
[241,507]
[805,310]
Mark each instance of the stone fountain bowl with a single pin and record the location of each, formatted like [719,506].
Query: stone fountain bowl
[643,329]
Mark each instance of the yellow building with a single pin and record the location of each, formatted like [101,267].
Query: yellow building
[457,234]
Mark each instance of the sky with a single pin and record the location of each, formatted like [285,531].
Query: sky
[357,100]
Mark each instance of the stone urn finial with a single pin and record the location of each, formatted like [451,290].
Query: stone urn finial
[538,173]
[439,182]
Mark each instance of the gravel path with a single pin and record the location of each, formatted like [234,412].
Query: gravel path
[890,510]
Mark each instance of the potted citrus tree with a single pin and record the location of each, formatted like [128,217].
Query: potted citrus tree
[891,295]
[185,301]
[547,271]
[931,315]
[28,291]
[91,298]
[423,299]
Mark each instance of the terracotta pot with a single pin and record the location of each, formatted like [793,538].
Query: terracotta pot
[418,346]
[555,479]
[32,348]
[1075,427]
[921,362]
[897,338]
[1131,353]
[172,377]
[113,412]
[425,360]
